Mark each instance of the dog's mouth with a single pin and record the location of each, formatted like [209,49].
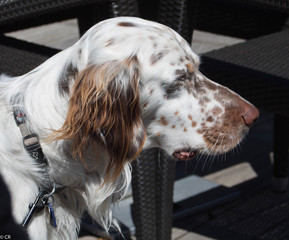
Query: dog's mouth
[185,154]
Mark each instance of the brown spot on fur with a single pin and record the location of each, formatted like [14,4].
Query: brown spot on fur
[223,94]
[126,24]
[163,121]
[189,86]
[190,67]
[203,101]
[190,117]
[210,85]
[145,104]
[173,126]
[210,119]
[185,130]
[216,111]
[222,136]
[176,113]
[194,124]
[158,56]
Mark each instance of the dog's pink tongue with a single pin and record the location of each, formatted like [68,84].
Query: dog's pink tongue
[184,155]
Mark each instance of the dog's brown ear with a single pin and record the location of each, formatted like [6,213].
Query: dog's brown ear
[105,106]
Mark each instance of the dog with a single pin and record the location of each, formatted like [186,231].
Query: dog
[128,84]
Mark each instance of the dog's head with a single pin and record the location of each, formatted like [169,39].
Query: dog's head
[134,78]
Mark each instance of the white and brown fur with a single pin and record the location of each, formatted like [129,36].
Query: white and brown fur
[126,85]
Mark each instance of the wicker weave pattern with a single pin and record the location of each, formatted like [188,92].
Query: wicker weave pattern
[279,5]
[242,18]
[124,8]
[15,10]
[144,193]
[165,173]
[153,178]
[256,69]
[18,57]
[179,15]
[268,54]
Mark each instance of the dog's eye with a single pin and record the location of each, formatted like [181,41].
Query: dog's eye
[183,75]
[172,89]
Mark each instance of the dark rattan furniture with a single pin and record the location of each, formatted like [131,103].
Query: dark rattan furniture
[153,181]
[242,18]
[19,14]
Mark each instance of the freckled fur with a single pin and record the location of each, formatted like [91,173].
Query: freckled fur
[156,57]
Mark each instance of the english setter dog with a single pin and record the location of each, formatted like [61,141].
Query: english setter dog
[70,127]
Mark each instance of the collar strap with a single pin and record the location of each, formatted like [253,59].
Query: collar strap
[30,140]
[32,146]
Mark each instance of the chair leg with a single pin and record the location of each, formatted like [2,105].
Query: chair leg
[114,8]
[165,174]
[281,147]
[87,17]
[144,195]
[180,15]
[152,184]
